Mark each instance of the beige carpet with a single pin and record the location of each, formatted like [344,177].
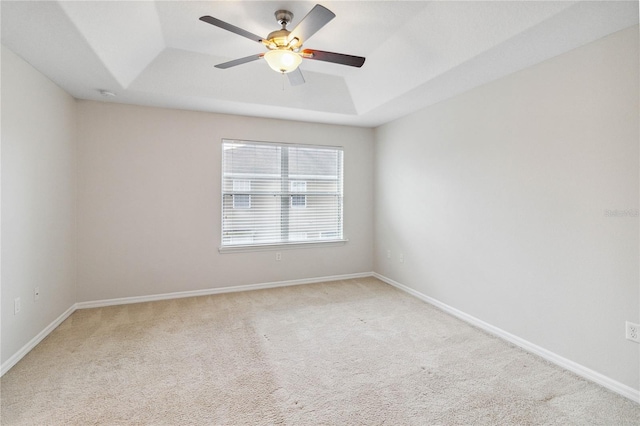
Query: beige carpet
[340,353]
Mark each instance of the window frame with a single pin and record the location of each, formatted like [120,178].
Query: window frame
[322,240]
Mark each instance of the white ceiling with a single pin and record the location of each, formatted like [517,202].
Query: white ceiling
[418,53]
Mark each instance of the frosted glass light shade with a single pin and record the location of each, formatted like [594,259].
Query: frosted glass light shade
[282,60]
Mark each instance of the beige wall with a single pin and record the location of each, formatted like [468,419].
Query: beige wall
[149,202]
[38,202]
[498,198]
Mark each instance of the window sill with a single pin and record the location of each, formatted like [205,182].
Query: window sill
[280,246]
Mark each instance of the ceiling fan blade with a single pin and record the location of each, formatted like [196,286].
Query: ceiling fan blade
[239,61]
[317,18]
[295,77]
[226,26]
[336,58]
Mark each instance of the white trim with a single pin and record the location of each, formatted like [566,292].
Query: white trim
[567,364]
[210,291]
[282,246]
[8,364]
[594,376]
[243,142]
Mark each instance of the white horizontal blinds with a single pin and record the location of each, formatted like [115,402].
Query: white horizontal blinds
[315,187]
[280,193]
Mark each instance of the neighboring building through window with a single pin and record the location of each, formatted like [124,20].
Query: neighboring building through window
[241,194]
[274,193]
[298,200]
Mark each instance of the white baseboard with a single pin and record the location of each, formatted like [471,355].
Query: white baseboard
[210,291]
[594,376]
[6,366]
[567,364]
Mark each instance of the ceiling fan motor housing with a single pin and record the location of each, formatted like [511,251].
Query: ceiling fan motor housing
[279,39]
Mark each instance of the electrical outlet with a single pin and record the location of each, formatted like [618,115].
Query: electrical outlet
[36,294]
[16,306]
[633,332]
[401,258]
[388,254]
[278,256]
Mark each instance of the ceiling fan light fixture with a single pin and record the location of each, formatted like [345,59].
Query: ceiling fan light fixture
[270,44]
[294,43]
[282,60]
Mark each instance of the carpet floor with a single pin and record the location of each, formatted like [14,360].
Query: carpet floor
[355,352]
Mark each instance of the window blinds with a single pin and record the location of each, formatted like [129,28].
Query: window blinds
[274,193]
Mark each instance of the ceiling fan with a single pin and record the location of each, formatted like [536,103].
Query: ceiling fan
[285,51]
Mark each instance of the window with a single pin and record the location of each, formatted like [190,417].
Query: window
[298,201]
[241,196]
[274,193]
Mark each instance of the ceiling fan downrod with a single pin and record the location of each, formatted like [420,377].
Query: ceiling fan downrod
[283,17]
